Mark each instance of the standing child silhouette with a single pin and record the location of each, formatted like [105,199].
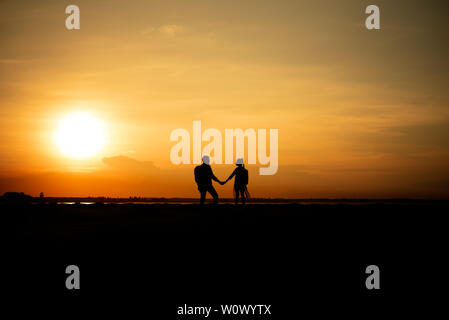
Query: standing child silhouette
[240,182]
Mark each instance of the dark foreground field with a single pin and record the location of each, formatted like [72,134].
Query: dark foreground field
[155,257]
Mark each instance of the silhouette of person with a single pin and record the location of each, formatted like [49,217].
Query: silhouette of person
[203,178]
[240,182]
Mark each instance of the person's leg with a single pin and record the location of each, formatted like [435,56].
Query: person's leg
[203,196]
[242,191]
[213,193]
[236,195]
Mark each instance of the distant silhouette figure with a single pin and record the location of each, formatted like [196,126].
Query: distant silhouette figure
[203,178]
[17,204]
[240,182]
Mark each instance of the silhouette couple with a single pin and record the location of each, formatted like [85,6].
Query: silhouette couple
[204,177]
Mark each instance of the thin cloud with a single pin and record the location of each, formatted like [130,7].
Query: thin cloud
[171,29]
[123,162]
[167,29]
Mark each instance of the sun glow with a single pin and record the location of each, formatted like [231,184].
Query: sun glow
[80,135]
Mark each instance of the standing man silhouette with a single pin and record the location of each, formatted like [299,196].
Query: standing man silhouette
[203,178]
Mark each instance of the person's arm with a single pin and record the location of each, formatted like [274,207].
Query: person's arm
[231,176]
[195,173]
[214,177]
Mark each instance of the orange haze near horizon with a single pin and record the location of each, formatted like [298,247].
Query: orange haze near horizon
[361,114]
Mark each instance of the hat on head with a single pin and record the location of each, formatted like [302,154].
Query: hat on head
[206,159]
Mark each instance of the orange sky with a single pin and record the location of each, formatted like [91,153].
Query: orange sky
[360,113]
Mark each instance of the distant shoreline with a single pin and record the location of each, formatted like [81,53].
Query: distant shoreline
[155,200]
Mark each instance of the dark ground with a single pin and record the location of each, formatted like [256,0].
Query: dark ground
[155,257]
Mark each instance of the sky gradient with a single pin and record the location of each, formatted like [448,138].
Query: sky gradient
[360,113]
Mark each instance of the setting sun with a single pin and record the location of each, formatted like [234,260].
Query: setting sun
[80,135]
